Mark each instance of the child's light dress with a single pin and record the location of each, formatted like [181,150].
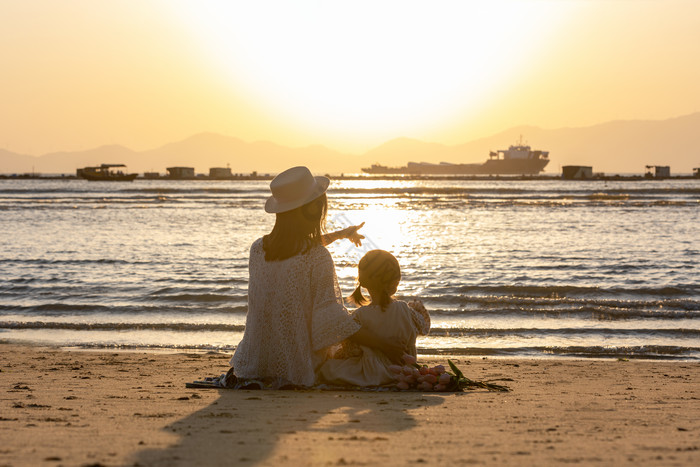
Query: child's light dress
[362,366]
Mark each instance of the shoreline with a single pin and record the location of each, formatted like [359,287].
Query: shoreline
[108,407]
[442,354]
[421,357]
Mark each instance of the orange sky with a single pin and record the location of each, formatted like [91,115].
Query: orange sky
[77,74]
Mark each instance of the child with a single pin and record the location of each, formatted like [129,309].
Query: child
[379,273]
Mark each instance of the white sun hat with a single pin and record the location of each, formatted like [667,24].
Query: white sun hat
[294,188]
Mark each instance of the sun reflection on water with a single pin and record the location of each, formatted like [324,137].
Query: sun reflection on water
[416,237]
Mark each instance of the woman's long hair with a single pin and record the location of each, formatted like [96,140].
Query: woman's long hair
[296,231]
[378,271]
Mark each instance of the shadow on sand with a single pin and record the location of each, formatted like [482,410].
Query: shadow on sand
[254,427]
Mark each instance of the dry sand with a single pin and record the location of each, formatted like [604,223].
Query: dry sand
[77,408]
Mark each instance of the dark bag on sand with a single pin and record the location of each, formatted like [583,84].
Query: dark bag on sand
[230,379]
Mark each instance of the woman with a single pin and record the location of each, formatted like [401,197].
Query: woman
[295,307]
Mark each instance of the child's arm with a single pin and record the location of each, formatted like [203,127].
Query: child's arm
[419,308]
[349,232]
[391,348]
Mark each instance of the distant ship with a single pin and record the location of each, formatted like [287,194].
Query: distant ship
[518,159]
[104,173]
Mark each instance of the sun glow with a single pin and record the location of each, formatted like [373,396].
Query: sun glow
[371,69]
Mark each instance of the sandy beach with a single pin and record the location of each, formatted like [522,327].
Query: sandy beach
[72,408]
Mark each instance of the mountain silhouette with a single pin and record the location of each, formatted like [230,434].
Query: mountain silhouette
[613,147]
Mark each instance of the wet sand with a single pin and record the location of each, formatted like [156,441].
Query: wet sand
[71,408]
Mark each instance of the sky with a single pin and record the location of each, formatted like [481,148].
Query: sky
[350,75]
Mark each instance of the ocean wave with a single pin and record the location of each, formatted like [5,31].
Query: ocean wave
[110,261]
[65,309]
[585,312]
[46,261]
[622,196]
[403,202]
[191,190]
[198,348]
[107,293]
[566,293]
[76,189]
[106,326]
[577,331]
[434,332]
[492,301]
[640,352]
[204,297]
[644,352]
[540,190]
[185,283]
[556,291]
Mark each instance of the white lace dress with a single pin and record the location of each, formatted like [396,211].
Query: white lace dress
[295,314]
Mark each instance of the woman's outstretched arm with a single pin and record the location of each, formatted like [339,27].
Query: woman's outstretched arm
[392,349]
[349,232]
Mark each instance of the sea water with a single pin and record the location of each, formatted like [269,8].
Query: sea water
[604,269]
